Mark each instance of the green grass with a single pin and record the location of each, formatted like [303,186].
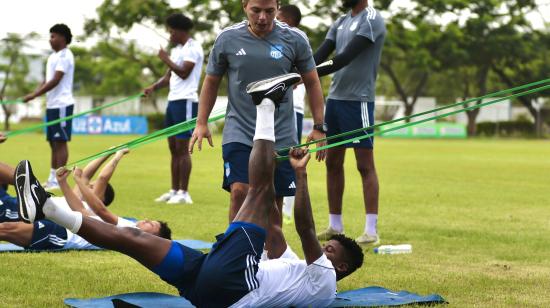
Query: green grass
[475,211]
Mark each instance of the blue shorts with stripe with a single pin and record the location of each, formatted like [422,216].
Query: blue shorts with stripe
[221,277]
[47,235]
[344,116]
[61,131]
[9,208]
[179,111]
[235,169]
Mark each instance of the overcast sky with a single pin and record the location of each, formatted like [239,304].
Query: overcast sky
[24,16]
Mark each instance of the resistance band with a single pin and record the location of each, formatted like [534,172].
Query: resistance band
[153,137]
[417,122]
[42,125]
[15,101]
[421,114]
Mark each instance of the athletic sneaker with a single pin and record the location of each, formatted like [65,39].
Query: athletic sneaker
[165,197]
[188,199]
[272,88]
[178,198]
[327,234]
[366,239]
[51,185]
[30,194]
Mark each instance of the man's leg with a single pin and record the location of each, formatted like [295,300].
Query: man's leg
[181,170]
[260,198]
[238,194]
[174,163]
[335,191]
[6,174]
[18,233]
[60,154]
[369,178]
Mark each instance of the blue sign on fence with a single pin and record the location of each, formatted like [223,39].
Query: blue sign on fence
[110,125]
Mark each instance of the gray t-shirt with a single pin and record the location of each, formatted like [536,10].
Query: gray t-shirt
[356,81]
[246,58]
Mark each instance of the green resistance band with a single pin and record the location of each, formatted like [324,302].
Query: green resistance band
[421,114]
[9,102]
[280,158]
[153,137]
[42,125]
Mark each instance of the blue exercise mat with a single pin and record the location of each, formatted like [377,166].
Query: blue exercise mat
[366,297]
[194,244]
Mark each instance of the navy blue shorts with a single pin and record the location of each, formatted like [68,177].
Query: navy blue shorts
[221,277]
[344,116]
[179,111]
[299,125]
[235,170]
[61,131]
[9,208]
[47,236]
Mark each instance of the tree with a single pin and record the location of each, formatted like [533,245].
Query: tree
[14,71]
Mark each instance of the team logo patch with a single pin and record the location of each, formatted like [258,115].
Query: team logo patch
[353,26]
[227,169]
[276,52]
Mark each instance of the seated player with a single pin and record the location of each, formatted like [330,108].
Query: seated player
[230,274]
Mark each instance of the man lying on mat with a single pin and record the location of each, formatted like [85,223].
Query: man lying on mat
[230,274]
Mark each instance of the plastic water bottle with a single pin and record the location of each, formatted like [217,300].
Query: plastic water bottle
[393,249]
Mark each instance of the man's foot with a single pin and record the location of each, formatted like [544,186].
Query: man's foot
[51,185]
[327,234]
[30,194]
[272,88]
[188,199]
[165,197]
[366,239]
[177,198]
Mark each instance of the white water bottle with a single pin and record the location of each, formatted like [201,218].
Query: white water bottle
[393,249]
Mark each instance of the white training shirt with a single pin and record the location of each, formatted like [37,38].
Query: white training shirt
[62,94]
[298,98]
[290,282]
[186,88]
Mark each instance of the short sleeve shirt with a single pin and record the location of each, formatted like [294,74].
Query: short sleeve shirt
[186,88]
[356,81]
[62,94]
[245,58]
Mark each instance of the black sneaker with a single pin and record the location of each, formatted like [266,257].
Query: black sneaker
[30,194]
[272,88]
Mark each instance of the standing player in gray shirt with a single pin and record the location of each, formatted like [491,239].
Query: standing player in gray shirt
[257,48]
[357,39]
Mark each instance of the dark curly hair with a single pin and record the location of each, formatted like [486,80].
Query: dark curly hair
[178,21]
[293,12]
[63,30]
[165,231]
[353,254]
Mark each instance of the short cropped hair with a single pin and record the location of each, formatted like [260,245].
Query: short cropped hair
[354,254]
[63,30]
[165,231]
[245,2]
[178,21]
[292,12]
[109,195]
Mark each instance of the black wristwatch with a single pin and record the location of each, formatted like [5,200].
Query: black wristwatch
[322,127]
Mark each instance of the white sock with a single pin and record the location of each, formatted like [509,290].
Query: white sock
[265,121]
[335,222]
[370,224]
[172,192]
[180,192]
[288,205]
[62,216]
[52,177]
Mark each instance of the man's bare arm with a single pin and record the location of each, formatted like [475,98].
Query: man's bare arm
[45,87]
[317,106]
[303,216]
[72,199]
[93,201]
[107,172]
[207,99]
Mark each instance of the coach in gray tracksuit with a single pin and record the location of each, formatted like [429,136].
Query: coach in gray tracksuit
[255,49]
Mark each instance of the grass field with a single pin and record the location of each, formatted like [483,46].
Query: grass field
[477,213]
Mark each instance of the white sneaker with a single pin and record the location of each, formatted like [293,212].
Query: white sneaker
[165,197]
[188,199]
[178,198]
[51,185]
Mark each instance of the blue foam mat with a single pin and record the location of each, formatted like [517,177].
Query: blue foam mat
[366,297]
[194,244]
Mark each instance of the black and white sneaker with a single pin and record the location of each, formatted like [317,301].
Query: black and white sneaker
[272,88]
[30,194]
